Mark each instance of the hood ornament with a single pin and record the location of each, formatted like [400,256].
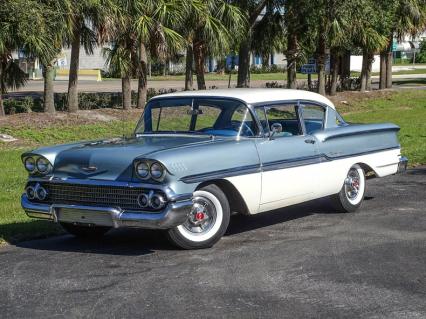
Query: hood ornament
[89,169]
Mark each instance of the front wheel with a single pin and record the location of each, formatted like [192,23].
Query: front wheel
[350,197]
[207,221]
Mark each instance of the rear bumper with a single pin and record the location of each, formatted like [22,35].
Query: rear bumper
[402,165]
[173,215]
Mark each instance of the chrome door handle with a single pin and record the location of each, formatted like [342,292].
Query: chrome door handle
[310,141]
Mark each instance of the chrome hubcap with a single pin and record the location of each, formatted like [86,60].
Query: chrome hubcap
[202,216]
[352,184]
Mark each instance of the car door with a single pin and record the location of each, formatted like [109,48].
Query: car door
[287,158]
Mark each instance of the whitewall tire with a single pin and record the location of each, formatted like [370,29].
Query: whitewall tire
[351,196]
[207,221]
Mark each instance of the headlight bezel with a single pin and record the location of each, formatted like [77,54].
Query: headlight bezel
[36,170]
[47,165]
[144,177]
[158,166]
[31,171]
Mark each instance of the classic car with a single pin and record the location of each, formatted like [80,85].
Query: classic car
[196,157]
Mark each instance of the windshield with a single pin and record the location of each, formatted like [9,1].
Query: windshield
[197,116]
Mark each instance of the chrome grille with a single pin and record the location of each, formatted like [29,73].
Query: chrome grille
[94,195]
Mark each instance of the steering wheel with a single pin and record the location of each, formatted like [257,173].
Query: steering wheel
[245,131]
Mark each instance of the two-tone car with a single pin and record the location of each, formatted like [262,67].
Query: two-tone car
[196,157]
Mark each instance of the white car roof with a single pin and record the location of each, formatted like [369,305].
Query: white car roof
[252,96]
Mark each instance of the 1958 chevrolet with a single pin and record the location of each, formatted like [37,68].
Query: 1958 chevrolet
[195,157]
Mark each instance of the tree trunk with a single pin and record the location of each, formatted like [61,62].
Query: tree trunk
[389,63]
[335,62]
[367,60]
[346,65]
[321,62]
[265,60]
[291,55]
[243,64]
[199,64]
[142,77]
[188,68]
[370,59]
[73,76]
[49,93]
[382,80]
[126,90]
[2,112]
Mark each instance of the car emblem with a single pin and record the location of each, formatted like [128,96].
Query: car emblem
[89,169]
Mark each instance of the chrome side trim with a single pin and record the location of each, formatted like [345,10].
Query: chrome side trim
[276,165]
[242,170]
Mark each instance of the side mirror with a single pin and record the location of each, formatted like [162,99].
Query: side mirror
[275,128]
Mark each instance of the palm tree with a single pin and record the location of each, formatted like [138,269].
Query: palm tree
[333,28]
[120,60]
[300,27]
[210,27]
[87,21]
[22,27]
[57,13]
[366,35]
[137,30]
[252,10]
[269,34]
[405,17]
[154,26]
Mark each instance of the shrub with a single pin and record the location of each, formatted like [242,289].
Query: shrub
[421,55]
[21,105]
[86,101]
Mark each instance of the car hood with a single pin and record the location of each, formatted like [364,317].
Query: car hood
[113,159]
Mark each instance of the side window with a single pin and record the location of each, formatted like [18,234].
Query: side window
[286,116]
[313,117]
[242,118]
[207,116]
[261,115]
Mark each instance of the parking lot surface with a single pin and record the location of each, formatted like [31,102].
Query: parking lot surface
[300,262]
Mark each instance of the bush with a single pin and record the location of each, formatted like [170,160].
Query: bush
[22,105]
[266,69]
[421,56]
[86,101]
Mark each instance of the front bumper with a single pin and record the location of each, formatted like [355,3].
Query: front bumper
[174,214]
[402,165]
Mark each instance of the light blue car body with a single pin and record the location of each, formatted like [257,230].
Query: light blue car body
[193,160]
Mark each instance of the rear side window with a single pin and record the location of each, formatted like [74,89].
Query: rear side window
[313,117]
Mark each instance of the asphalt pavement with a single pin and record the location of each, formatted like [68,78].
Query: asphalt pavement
[300,262]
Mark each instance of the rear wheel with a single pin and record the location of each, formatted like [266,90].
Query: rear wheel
[207,221]
[85,232]
[350,197]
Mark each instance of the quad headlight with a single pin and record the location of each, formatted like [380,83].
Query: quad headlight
[37,164]
[43,165]
[30,164]
[157,171]
[150,170]
[142,169]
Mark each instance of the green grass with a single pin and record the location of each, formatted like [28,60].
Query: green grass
[406,108]
[14,224]
[279,76]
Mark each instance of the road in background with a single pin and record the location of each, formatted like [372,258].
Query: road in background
[298,262]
